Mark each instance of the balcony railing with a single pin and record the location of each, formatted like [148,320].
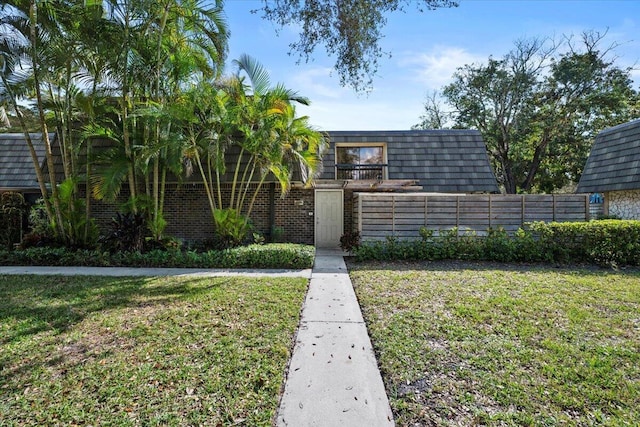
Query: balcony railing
[361,171]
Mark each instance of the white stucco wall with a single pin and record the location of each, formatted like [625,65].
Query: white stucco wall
[624,204]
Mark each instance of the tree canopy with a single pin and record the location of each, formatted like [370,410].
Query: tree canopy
[350,31]
[539,108]
[142,80]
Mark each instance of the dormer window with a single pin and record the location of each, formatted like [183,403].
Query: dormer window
[363,161]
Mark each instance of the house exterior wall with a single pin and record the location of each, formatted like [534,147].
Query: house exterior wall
[189,218]
[624,204]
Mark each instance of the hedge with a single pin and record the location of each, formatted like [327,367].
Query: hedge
[271,256]
[604,242]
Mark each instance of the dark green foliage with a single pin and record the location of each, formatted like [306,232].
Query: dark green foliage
[128,232]
[350,241]
[12,209]
[282,255]
[606,243]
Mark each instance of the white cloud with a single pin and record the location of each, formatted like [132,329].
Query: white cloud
[316,83]
[363,114]
[435,68]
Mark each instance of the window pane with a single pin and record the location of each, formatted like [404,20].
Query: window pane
[348,155]
[371,155]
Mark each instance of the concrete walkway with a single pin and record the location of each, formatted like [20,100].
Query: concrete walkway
[333,377]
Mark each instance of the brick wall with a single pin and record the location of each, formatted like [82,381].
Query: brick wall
[189,218]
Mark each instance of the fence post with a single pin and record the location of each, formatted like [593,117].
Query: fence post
[587,212]
[554,207]
[522,209]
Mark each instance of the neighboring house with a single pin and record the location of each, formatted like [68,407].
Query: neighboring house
[613,170]
[16,166]
[434,161]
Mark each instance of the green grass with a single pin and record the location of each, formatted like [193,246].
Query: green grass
[480,344]
[154,351]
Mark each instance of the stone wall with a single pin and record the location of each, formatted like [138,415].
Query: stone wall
[624,204]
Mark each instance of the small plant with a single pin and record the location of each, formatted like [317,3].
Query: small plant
[128,232]
[231,226]
[350,241]
[258,239]
[277,233]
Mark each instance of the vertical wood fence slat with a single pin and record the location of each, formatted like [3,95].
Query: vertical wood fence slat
[489,211]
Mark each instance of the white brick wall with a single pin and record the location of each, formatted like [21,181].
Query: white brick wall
[624,204]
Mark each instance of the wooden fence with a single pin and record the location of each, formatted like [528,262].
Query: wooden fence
[377,215]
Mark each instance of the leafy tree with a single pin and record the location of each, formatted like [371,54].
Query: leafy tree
[350,30]
[539,108]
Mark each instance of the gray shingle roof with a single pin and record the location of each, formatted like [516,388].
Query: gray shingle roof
[614,161]
[451,160]
[16,167]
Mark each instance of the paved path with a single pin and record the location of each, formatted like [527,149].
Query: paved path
[333,377]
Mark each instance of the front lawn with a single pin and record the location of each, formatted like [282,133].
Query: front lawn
[144,351]
[485,344]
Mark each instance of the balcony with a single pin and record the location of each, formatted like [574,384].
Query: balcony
[361,171]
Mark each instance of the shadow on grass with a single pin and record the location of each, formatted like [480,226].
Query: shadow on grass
[36,304]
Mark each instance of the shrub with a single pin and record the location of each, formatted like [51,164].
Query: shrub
[231,227]
[603,242]
[128,233]
[281,255]
[12,209]
[350,241]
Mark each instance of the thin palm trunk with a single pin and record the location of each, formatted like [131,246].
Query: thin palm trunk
[255,195]
[235,177]
[207,188]
[57,209]
[32,151]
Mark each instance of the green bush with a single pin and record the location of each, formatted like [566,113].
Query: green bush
[603,242]
[272,256]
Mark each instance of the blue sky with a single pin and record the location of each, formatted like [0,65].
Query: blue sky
[426,49]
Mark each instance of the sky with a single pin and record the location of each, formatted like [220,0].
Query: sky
[426,49]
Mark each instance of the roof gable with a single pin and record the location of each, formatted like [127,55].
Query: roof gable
[614,161]
[450,160]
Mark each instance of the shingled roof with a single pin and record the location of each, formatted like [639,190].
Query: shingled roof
[445,161]
[16,167]
[614,161]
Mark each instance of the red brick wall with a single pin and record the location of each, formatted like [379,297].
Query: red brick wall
[189,218]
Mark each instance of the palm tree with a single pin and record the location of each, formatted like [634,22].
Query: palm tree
[259,122]
[174,41]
